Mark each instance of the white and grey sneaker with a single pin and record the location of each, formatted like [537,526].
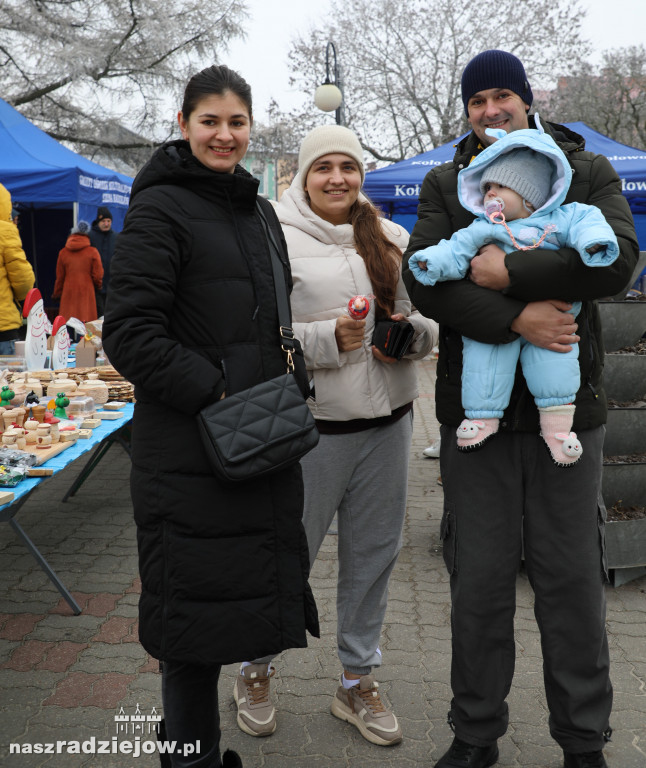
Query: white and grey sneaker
[256,713]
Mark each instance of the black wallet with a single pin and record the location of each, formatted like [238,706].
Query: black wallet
[393,338]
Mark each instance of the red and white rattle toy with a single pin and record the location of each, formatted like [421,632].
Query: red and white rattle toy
[358,307]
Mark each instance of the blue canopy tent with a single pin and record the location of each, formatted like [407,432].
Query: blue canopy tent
[395,188]
[53,187]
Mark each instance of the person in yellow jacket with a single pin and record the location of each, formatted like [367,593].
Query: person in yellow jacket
[16,276]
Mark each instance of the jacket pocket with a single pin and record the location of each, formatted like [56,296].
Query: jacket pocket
[448,538]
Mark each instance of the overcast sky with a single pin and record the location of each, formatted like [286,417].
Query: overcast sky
[262,58]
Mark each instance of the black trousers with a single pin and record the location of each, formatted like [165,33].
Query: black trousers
[192,718]
[503,500]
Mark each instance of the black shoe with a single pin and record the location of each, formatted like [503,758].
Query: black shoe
[584,760]
[231,759]
[463,755]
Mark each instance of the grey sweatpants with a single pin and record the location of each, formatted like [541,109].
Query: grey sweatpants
[363,476]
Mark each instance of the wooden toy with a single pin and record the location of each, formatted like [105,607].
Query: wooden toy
[61,348]
[62,383]
[6,396]
[31,427]
[69,436]
[62,401]
[37,328]
[108,415]
[39,412]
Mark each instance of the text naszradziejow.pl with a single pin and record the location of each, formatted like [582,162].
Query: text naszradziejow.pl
[113,746]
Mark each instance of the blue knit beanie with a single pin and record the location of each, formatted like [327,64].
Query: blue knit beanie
[495,69]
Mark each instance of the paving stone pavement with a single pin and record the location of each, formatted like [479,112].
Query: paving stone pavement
[65,677]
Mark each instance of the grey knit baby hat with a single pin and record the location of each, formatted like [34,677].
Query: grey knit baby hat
[527,172]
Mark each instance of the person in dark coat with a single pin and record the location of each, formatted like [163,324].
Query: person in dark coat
[508,500]
[191,317]
[104,239]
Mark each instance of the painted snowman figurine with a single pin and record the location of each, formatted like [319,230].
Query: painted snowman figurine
[38,327]
[61,348]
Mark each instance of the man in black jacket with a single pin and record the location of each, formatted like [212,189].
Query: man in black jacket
[104,239]
[508,499]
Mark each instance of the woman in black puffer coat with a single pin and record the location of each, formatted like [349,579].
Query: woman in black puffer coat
[191,317]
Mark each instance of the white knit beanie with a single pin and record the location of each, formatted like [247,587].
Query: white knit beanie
[327,140]
[527,172]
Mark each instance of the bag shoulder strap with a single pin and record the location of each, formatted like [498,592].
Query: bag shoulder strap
[282,303]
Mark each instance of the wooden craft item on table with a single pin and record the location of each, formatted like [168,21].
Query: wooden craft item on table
[5,497]
[109,415]
[95,388]
[90,423]
[37,328]
[62,383]
[115,405]
[19,389]
[34,385]
[68,432]
[31,428]
[38,412]
[6,396]
[8,418]
[46,454]
[85,434]
[61,342]
[40,471]
[10,436]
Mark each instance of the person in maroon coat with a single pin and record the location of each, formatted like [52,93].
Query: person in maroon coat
[79,273]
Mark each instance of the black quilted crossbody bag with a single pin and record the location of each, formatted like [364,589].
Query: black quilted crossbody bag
[267,427]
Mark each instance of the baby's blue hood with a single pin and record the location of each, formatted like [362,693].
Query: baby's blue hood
[534,138]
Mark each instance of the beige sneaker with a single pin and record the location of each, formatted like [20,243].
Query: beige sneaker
[363,707]
[256,713]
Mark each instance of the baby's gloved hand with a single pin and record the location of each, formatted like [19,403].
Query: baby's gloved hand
[418,266]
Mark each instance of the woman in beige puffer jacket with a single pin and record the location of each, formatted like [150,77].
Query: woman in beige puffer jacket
[340,247]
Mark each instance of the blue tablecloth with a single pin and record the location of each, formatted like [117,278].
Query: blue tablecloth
[66,457]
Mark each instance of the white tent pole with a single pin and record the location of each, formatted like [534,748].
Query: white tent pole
[75,214]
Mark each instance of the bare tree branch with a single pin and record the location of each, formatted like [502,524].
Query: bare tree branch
[403,60]
[82,69]
[609,97]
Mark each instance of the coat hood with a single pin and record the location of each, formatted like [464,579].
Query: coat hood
[77,242]
[536,139]
[5,204]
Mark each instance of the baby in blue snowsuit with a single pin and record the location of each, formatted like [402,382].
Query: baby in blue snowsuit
[515,187]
